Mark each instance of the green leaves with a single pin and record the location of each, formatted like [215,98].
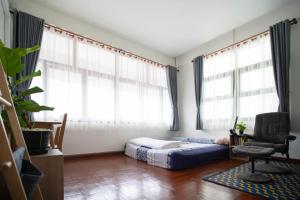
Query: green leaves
[30,91]
[11,58]
[24,51]
[32,106]
[12,63]
[241,126]
[26,78]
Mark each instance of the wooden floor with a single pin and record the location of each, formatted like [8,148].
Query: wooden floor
[119,177]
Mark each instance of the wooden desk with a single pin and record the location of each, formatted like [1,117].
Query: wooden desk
[52,165]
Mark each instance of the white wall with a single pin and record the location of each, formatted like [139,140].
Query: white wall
[76,25]
[187,107]
[4,22]
[81,142]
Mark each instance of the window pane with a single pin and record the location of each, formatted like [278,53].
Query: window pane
[152,106]
[221,109]
[252,105]
[217,104]
[39,97]
[219,64]
[167,110]
[257,79]
[254,52]
[257,85]
[218,87]
[94,58]
[157,76]
[93,84]
[63,94]
[217,114]
[57,48]
[100,99]
[129,103]
[128,68]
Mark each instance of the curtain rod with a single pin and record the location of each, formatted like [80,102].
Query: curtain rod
[292,22]
[110,47]
[119,50]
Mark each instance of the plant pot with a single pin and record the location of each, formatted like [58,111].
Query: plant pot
[241,132]
[37,140]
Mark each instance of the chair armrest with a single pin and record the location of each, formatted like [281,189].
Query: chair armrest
[290,137]
[247,136]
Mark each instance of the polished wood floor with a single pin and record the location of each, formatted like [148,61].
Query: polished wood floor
[114,177]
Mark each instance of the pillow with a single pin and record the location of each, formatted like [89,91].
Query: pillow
[201,140]
[223,140]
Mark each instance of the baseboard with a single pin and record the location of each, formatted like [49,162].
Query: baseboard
[90,155]
[110,153]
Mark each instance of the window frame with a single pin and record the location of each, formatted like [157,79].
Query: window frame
[236,94]
[47,65]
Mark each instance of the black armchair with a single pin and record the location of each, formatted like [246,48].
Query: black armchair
[271,130]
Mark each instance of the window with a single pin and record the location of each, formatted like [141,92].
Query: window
[238,82]
[97,86]
[217,100]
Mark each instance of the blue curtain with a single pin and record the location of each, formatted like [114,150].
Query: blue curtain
[280,47]
[198,75]
[172,88]
[27,32]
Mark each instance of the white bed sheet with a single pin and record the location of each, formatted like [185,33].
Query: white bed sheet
[159,157]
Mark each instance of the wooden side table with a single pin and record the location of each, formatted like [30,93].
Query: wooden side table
[234,141]
[52,165]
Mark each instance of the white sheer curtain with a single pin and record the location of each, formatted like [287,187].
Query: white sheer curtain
[98,87]
[217,96]
[238,82]
[257,92]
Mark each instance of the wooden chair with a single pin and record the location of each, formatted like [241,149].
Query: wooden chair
[59,134]
[58,127]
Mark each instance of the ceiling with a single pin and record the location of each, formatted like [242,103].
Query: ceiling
[169,26]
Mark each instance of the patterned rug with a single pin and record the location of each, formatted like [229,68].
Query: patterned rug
[283,186]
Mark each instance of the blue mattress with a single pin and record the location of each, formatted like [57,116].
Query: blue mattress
[190,154]
[195,157]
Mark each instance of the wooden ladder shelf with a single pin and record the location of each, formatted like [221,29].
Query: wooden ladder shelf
[7,163]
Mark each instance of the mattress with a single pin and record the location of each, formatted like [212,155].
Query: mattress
[187,156]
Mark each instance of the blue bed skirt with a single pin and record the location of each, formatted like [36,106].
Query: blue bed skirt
[195,157]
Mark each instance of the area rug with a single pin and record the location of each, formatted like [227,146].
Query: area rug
[283,186]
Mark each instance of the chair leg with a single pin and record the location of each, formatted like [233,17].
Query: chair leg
[252,165]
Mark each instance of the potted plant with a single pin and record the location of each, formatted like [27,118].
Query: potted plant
[11,59]
[241,127]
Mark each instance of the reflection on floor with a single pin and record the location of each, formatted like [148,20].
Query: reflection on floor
[113,177]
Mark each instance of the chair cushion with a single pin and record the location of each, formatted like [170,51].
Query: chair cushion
[278,147]
[253,151]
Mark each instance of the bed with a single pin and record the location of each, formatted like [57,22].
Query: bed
[174,154]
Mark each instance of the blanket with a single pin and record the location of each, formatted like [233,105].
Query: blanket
[154,143]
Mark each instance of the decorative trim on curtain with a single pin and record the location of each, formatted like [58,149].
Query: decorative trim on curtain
[27,32]
[280,47]
[198,75]
[172,88]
